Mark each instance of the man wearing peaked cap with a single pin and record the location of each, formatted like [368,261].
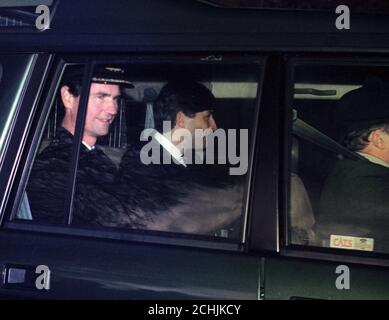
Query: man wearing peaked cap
[354,199]
[95,201]
[102,104]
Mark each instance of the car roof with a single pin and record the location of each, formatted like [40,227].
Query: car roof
[166,25]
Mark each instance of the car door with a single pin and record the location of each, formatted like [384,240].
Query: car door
[328,253]
[48,260]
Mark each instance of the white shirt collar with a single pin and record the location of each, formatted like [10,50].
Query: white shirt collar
[374,159]
[169,147]
[88,146]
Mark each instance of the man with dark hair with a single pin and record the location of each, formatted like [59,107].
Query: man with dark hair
[354,200]
[177,190]
[95,201]
[184,107]
[181,101]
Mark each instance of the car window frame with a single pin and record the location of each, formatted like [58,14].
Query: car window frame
[17,100]
[142,236]
[305,251]
[17,133]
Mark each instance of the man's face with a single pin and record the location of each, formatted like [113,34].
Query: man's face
[101,111]
[201,121]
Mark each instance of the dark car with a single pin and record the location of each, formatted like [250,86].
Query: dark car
[276,77]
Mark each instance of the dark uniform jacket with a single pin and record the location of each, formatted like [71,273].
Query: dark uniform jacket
[201,199]
[97,196]
[355,201]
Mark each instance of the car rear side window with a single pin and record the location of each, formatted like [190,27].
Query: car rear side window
[339,156]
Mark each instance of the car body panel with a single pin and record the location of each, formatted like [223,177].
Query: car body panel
[101,269]
[93,267]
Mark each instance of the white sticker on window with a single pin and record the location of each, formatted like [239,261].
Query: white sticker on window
[352,243]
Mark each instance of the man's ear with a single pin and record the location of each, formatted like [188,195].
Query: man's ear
[376,139]
[180,119]
[67,97]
